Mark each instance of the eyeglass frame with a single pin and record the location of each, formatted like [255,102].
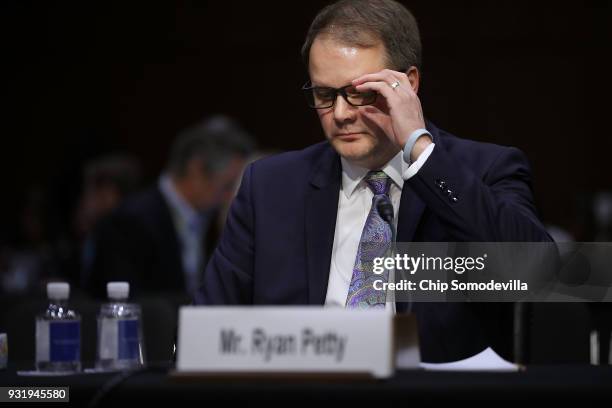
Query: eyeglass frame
[341,91]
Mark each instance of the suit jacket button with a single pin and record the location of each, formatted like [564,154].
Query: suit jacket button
[441,184]
[449,192]
[454,198]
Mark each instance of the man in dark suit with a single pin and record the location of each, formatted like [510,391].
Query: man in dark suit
[159,239]
[298,230]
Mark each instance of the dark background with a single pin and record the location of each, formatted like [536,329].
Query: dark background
[82,79]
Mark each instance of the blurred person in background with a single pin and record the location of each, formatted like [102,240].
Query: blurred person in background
[26,255]
[106,182]
[159,239]
[35,253]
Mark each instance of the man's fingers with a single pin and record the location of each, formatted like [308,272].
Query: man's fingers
[386,75]
[376,77]
[381,87]
[398,76]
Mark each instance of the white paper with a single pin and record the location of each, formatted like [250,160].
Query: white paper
[486,360]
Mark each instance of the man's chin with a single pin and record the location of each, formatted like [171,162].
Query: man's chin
[352,151]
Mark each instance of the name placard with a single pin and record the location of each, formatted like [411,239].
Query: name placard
[284,340]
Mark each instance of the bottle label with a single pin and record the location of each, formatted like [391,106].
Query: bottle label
[64,341]
[119,339]
[128,340]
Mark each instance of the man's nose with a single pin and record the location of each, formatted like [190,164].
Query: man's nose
[343,111]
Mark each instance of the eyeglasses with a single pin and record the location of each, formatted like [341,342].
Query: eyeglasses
[323,97]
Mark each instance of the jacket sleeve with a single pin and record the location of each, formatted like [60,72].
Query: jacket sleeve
[228,277]
[497,206]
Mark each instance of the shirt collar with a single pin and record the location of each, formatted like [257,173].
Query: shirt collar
[352,174]
[177,203]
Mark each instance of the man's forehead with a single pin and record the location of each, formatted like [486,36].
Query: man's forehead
[348,51]
[335,63]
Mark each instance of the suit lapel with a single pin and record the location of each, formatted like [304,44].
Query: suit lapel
[410,212]
[320,218]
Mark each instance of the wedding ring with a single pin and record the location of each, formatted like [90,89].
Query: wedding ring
[395,85]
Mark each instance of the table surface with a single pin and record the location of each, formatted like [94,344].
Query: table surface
[547,384]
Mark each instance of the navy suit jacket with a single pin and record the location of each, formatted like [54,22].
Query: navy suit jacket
[277,243]
[138,243]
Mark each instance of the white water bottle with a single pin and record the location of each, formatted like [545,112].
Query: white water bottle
[120,342]
[58,333]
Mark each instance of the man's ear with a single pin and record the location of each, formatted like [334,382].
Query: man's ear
[415,78]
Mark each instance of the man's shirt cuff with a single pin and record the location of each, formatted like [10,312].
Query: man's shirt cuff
[418,163]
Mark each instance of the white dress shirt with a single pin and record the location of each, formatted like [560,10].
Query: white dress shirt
[189,225]
[354,205]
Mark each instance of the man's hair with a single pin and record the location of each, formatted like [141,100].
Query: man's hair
[214,141]
[365,23]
